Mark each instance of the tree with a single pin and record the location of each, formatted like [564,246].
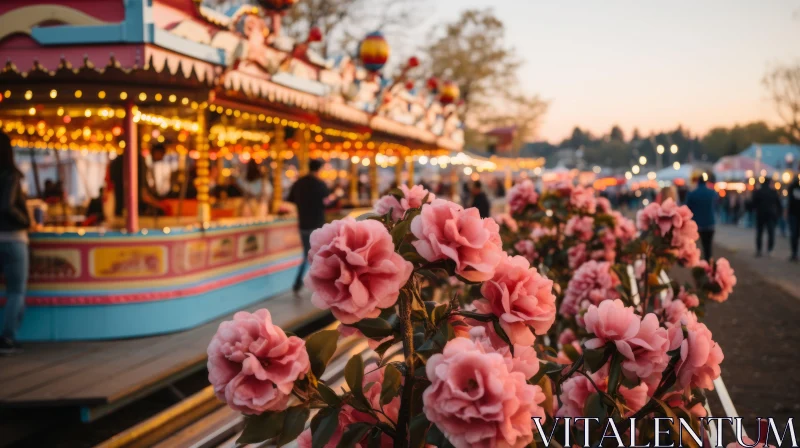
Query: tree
[616,134]
[636,137]
[523,112]
[577,139]
[783,84]
[345,22]
[472,53]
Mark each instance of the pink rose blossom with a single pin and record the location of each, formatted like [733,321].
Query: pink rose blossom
[643,342]
[476,401]
[253,365]
[583,199]
[508,221]
[355,271]
[567,336]
[577,389]
[624,228]
[700,358]
[722,276]
[593,282]
[524,359]
[527,249]
[522,299]
[521,195]
[444,230]
[666,216]
[688,299]
[581,227]
[576,255]
[608,251]
[412,198]
[543,232]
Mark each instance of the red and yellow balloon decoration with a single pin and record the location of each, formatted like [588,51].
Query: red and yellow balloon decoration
[448,93]
[374,51]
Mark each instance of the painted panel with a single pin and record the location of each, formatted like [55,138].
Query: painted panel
[222,250]
[250,245]
[55,264]
[128,261]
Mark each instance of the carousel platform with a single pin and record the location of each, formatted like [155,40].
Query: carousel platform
[97,378]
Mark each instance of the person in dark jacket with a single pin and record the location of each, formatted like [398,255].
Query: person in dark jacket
[767,207]
[480,200]
[794,216]
[311,196]
[14,259]
[702,201]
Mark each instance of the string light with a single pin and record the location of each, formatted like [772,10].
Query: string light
[53,93]
[101,94]
[78,94]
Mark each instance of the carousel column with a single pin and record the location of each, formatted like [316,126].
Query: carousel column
[453,183]
[277,173]
[410,171]
[374,194]
[203,172]
[354,182]
[398,172]
[131,164]
[507,185]
[302,155]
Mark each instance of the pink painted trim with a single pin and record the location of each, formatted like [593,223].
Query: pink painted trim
[118,299]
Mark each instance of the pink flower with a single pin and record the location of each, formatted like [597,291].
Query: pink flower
[608,251]
[412,198]
[665,216]
[543,232]
[508,221]
[624,228]
[253,365]
[445,231]
[577,389]
[522,299]
[524,359]
[593,282]
[581,227]
[521,195]
[527,249]
[355,271]
[700,358]
[576,255]
[567,336]
[643,342]
[583,199]
[476,401]
[721,275]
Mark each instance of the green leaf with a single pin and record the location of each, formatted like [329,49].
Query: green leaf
[477,316]
[354,375]
[571,352]
[381,349]
[367,216]
[258,428]
[400,230]
[614,374]
[375,328]
[418,430]
[328,395]
[293,424]
[320,347]
[391,384]
[502,333]
[439,313]
[595,358]
[594,407]
[327,420]
[354,434]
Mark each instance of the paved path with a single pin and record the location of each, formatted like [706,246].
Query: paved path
[775,270]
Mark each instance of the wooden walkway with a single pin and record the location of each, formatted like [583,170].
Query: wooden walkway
[98,377]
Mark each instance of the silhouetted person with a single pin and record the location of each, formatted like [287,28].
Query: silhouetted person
[311,196]
[148,198]
[14,259]
[767,207]
[480,200]
[794,216]
[702,202]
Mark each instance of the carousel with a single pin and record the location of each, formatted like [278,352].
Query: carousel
[159,137]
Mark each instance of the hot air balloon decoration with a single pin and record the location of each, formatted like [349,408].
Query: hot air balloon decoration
[277,5]
[432,84]
[374,51]
[448,93]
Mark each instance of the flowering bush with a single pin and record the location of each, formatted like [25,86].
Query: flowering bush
[559,309]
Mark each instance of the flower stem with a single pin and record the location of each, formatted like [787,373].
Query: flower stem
[404,415]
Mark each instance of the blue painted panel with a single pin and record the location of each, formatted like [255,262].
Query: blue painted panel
[181,45]
[148,318]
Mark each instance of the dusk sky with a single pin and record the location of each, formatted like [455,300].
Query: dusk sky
[646,64]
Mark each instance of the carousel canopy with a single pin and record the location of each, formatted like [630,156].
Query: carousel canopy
[741,167]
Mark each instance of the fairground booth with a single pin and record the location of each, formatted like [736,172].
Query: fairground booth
[159,138]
